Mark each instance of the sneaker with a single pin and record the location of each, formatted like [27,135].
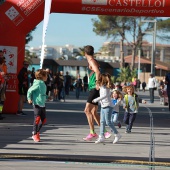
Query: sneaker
[117,138]
[128,131]
[119,125]
[90,137]
[100,140]
[38,135]
[35,138]
[107,135]
[21,113]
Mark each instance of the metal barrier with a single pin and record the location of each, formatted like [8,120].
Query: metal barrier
[152,140]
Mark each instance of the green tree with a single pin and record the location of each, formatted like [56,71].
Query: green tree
[29,36]
[29,56]
[111,27]
[119,27]
[126,74]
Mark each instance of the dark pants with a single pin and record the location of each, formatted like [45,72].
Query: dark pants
[67,89]
[39,118]
[129,119]
[78,89]
[48,90]
[151,92]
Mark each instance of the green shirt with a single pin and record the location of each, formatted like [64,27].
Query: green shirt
[92,79]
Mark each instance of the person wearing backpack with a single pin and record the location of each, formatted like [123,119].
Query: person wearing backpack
[130,104]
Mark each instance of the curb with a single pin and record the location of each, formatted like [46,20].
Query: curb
[72,158]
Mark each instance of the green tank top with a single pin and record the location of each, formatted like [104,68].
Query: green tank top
[92,79]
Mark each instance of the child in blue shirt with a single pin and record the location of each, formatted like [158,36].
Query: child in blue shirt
[116,99]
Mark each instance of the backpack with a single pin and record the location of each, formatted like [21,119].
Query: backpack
[127,102]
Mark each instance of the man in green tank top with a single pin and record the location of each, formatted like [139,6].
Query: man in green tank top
[91,108]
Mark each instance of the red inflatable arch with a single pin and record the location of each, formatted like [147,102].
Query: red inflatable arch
[19,17]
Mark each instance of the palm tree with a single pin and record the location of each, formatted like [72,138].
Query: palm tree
[29,56]
[126,74]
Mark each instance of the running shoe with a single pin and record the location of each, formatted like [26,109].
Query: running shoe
[38,135]
[117,138]
[100,140]
[90,137]
[21,113]
[128,131]
[107,135]
[35,138]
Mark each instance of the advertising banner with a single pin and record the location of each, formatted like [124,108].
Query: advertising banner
[116,7]
[10,54]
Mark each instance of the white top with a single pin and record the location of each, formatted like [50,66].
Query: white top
[152,82]
[105,97]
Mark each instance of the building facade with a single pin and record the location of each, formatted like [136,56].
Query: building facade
[111,51]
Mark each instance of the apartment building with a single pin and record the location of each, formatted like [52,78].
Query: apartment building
[56,52]
[111,51]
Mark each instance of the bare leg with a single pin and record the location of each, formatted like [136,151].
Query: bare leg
[89,115]
[95,114]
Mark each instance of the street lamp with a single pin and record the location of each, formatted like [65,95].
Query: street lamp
[153,44]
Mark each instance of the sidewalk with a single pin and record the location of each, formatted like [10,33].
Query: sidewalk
[61,138]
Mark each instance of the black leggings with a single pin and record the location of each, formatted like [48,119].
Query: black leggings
[39,118]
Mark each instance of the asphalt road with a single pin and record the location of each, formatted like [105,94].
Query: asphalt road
[62,143]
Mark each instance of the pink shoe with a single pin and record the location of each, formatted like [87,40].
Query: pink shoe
[90,137]
[107,135]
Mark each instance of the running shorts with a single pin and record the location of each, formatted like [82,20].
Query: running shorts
[92,95]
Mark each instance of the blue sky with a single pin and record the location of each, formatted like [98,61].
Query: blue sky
[73,29]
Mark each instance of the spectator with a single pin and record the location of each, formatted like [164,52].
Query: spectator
[2,89]
[85,83]
[138,83]
[143,86]
[48,82]
[78,86]
[61,91]
[163,95]
[55,87]
[67,83]
[167,82]
[32,76]
[152,86]
[22,87]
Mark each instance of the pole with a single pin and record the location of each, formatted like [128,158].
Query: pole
[152,58]
[139,55]
[154,46]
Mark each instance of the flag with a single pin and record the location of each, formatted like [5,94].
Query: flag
[45,24]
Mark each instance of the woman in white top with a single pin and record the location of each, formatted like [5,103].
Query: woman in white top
[104,84]
[151,86]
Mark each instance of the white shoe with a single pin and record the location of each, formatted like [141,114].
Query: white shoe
[117,137]
[100,140]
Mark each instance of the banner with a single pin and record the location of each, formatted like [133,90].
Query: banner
[45,24]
